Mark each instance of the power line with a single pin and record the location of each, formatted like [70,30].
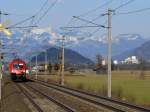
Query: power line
[51,6]
[91,34]
[16,14]
[90,11]
[82,26]
[97,29]
[71,27]
[124,4]
[22,21]
[21,27]
[38,12]
[98,17]
[88,21]
[93,10]
[45,3]
[132,12]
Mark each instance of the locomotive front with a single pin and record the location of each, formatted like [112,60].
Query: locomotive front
[18,69]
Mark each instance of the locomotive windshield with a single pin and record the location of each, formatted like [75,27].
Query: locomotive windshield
[18,66]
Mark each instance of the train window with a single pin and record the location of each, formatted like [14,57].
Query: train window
[18,66]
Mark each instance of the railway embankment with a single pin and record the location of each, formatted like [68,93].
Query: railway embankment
[12,100]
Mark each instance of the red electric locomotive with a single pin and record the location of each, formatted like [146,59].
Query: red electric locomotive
[18,69]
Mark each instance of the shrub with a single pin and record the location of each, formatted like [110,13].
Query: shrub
[131,98]
[80,86]
[118,93]
[103,90]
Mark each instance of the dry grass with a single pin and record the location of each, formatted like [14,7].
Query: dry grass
[126,85]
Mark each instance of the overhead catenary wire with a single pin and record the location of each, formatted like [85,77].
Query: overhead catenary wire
[90,11]
[89,21]
[21,27]
[45,13]
[95,9]
[97,29]
[42,7]
[80,27]
[70,28]
[32,18]
[21,22]
[17,14]
[101,15]
[38,12]
[132,12]
[124,4]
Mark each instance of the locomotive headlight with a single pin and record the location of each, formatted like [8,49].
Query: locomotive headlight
[27,71]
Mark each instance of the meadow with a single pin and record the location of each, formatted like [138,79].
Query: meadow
[126,85]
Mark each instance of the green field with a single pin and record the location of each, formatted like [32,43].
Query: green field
[125,85]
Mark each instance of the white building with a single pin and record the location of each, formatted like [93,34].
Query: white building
[131,60]
[115,62]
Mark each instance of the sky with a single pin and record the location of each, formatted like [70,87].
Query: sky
[63,11]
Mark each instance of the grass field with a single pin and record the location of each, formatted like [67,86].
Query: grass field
[125,85]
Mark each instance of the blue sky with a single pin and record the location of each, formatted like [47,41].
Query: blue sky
[64,10]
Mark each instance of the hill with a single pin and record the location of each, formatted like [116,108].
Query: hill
[141,52]
[71,57]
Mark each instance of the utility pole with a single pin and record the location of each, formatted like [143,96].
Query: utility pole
[30,64]
[109,50]
[45,64]
[62,61]
[1,13]
[0,62]
[36,66]
[0,71]
[0,78]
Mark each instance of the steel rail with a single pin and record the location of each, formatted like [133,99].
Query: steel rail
[28,96]
[123,103]
[65,107]
[110,107]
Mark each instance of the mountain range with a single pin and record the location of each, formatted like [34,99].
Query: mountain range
[28,43]
[91,46]
[141,52]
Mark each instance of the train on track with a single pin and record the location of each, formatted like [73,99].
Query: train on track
[18,70]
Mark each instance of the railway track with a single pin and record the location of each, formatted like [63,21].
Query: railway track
[112,104]
[28,96]
[37,106]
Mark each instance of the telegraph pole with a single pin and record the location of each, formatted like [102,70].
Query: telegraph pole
[62,61]
[109,50]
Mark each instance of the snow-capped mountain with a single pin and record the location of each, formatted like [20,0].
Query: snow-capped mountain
[30,42]
[141,52]
[90,47]
[27,43]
